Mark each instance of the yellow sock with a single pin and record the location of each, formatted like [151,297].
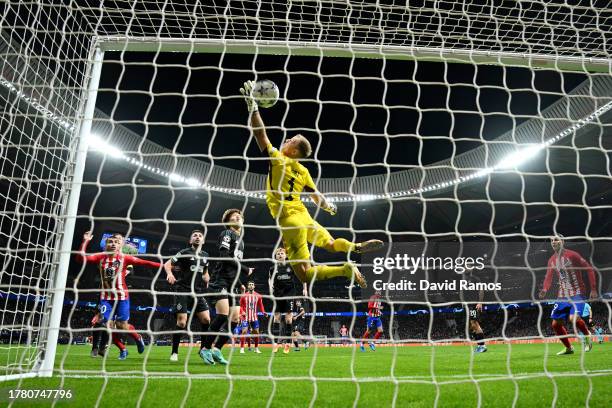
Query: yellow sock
[322,272]
[342,245]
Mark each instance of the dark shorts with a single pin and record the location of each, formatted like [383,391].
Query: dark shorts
[222,290]
[187,303]
[283,305]
[300,326]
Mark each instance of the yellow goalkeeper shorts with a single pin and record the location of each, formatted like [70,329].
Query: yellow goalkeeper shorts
[298,230]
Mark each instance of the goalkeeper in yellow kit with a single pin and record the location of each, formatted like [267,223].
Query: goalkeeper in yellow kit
[287,179]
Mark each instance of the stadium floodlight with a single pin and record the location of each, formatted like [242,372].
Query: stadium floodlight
[96,143]
[192,182]
[521,156]
[176,177]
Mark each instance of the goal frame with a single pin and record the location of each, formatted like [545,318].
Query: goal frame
[73,180]
[101,44]
[329,49]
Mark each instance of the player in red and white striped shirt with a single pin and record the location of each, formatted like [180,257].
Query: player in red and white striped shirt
[568,267]
[374,320]
[114,296]
[250,303]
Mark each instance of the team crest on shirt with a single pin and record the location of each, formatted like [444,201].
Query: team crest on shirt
[111,271]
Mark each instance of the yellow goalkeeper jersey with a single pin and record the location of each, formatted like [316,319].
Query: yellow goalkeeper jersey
[287,179]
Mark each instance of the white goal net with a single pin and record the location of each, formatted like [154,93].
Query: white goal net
[446,130]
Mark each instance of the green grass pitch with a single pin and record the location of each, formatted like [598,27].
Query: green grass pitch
[529,375]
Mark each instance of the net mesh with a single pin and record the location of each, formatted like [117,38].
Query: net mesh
[524,27]
[40,101]
[412,146]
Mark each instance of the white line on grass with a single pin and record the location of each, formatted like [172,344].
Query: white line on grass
[417,378]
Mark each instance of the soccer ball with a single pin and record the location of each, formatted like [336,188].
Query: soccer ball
[265,93]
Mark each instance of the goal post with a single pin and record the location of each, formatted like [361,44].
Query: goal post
[329,49]
[46,340]
[73,183]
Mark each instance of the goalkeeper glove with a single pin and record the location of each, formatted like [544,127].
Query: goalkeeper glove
[246,90]
[331,208]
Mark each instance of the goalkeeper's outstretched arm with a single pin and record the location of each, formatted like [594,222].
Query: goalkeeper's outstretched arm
[259,131]
[257,125]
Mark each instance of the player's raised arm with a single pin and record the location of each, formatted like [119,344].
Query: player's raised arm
[82,256]
[257,125]
[259,131]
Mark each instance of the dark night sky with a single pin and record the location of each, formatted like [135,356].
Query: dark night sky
[448,105]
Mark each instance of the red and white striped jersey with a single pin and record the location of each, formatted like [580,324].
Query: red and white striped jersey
[249,303]
[568,267]
[374,306]
[113,270]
